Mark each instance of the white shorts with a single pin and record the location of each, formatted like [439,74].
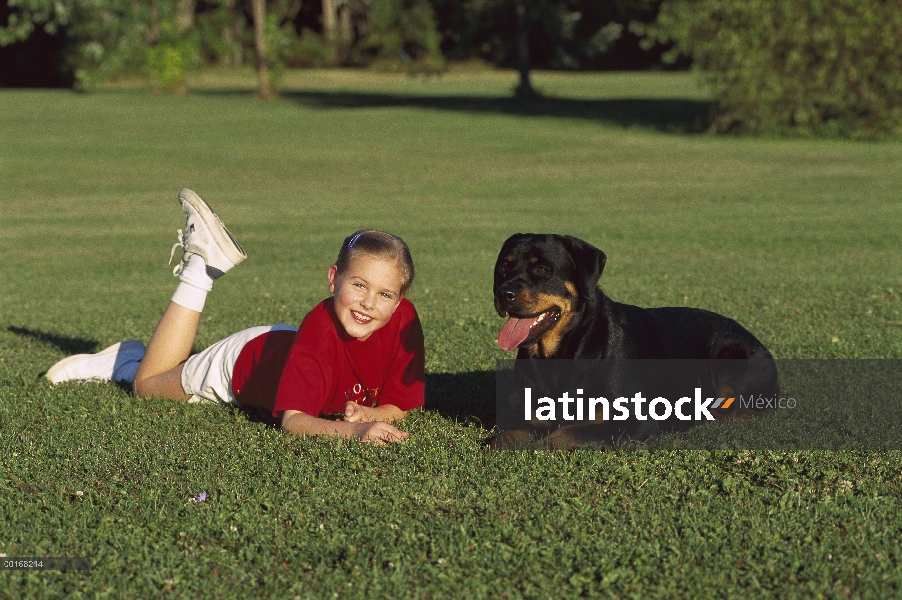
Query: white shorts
[207,376]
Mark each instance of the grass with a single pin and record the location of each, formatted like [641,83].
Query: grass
[799,240]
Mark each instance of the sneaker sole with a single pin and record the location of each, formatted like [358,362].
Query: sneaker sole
[223,238]
[56,369]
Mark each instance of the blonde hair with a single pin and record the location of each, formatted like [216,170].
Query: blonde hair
[378,244]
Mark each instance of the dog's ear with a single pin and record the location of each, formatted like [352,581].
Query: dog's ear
[589,262]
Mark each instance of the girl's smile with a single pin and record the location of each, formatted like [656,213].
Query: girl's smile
[360,317]
[366,294]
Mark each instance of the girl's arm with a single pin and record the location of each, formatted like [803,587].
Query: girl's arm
[387,413]
[377,432]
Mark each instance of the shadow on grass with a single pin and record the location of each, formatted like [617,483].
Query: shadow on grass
[66,344]
[674,115]
[464,397]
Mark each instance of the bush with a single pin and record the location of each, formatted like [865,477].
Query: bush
[816,67]
[310,49]
[402,36]
[170,59]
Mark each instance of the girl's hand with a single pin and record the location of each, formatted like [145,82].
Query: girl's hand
[375,431]
[379,433]
[355,413]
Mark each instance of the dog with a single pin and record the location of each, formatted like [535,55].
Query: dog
[547,286]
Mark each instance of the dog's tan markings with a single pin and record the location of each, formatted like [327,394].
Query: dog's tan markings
[534,304]
[509,258]
[571,289]
[548,301]
[551,339]
[527,300]
[533,260]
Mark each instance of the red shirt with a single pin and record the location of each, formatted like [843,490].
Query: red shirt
[319,368]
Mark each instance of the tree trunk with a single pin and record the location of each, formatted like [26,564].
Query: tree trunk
[184,16]
[524,90]
[330,20]
[330,28]
[259,11]
[344,19]
[153,28]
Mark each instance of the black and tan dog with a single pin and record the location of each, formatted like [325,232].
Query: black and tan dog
[548,287]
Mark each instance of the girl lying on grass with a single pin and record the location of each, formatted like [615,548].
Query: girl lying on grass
[358,354]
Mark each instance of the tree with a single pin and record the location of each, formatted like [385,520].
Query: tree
[162,37]
[273,32]
[26,15]
[258,10]
[562,34]
[111,37]
[330,27]
[825,67]
[524,90]
[400,35]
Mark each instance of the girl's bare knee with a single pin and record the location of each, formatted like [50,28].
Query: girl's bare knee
[165,385]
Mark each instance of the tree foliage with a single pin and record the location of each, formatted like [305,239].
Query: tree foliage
[109,37]
[166,38]
[402,31]
[824,67]
[563,34]
[27,15]
[104,39]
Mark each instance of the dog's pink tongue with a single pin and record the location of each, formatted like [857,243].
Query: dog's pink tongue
[514,332]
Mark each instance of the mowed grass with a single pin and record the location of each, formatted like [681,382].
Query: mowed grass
[799,240]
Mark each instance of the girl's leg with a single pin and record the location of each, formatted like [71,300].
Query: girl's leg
[210,251]
[160,372]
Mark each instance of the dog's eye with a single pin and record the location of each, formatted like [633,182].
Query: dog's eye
[540,270]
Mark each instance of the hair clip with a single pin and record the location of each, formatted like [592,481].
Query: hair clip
[354,239]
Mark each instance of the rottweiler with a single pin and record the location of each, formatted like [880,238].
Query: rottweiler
[547,286]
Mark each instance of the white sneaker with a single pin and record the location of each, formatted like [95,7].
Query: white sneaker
[118,363]
[206,236]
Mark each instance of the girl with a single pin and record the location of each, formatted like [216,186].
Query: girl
[358,354]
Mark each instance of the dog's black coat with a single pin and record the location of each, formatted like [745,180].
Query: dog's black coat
[538,273]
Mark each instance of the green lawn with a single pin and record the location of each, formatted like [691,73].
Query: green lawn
[799,240]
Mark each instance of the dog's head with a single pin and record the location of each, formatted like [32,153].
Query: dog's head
[540,281]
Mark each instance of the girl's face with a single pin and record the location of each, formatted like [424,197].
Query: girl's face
[366,294]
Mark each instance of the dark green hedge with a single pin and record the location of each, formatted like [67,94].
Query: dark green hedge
[816,67]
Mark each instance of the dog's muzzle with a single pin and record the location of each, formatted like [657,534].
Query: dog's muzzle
[506,299]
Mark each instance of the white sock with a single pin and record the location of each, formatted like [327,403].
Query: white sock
[194,284]
[195,273]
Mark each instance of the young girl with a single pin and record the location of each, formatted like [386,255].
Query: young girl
[358,354]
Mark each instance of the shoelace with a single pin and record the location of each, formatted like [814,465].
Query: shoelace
[179,244]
